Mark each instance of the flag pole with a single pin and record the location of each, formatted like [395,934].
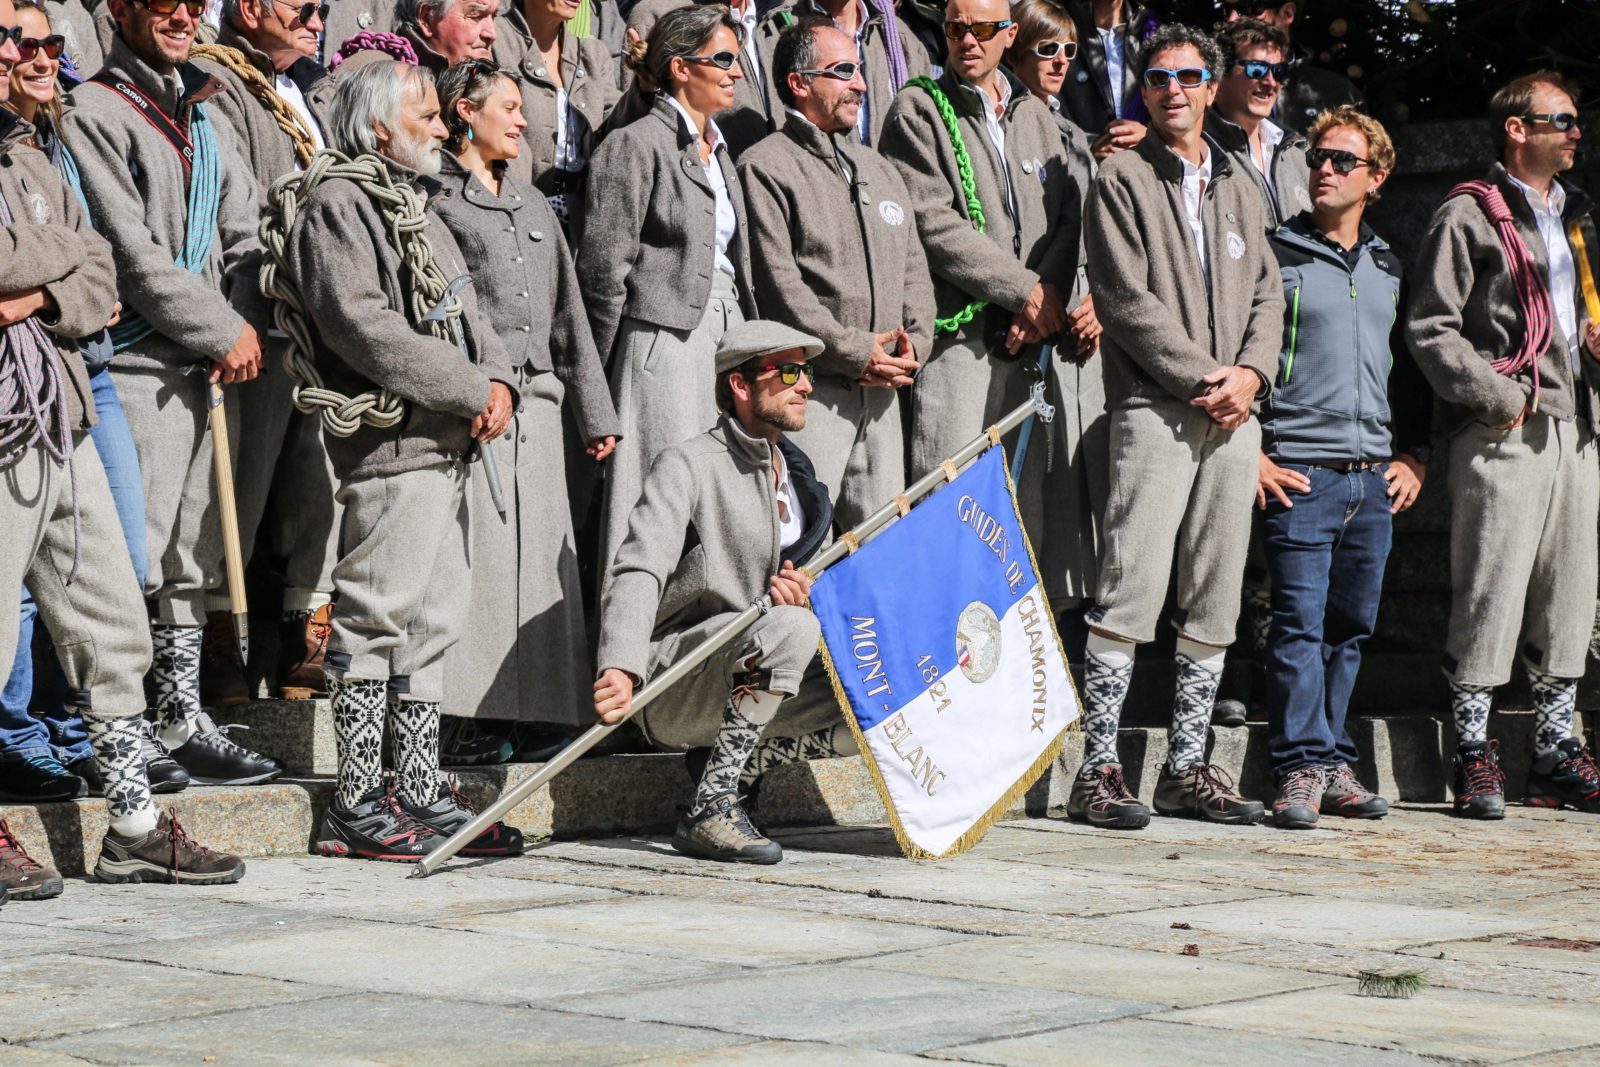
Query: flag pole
[878,520]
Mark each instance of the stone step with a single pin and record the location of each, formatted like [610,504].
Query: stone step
[1405,758]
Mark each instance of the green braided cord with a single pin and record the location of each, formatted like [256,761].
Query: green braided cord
[947,112]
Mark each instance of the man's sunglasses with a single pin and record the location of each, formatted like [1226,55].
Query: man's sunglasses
[1067,50]
[196,8]
[788,373]
[1343,162]
[981,31]
[1188,77]
[721,60]
[844,70]
[1257,69]
[307,11]
[1561,122]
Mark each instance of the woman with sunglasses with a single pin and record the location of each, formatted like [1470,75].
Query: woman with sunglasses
[669,271]
[528,659]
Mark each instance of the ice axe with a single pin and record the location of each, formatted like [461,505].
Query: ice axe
[491,469]
[232,550]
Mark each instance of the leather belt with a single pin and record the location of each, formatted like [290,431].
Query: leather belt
[1351,466]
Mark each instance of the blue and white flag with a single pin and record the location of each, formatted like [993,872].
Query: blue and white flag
[942,645]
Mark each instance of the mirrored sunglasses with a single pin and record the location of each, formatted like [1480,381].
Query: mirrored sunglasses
[1067,50]
[196,8]
[1343,162]
[788,373]
[32,46]
[1188,77]
[720,60]
[1257,69]
[843,70]
[982,31]
[1561,121]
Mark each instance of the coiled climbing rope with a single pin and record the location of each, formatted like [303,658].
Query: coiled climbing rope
[287,118]
[969,190]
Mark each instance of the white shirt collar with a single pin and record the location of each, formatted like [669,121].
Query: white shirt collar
[713,134]
[983,94]
[1203,170]
[1557,202]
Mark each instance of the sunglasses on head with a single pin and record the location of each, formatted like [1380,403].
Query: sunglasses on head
[981,31]
[306,11]
[1067,50]
[720,60]
[843,70]
[1188,77]
[788,373]
[1257,69]
[1343,162]
[1561,121]
[196,8]
[31,46]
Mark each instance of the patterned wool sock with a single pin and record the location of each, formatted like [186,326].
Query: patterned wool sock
[1107,670]
[1470,706]
[173,685]
[119,757]
[357,735]
[1553,702]
[1199,672]
[826,743]
[415,727]
[738,737]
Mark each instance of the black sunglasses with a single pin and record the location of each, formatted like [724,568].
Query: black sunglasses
[1257,69]
[51,46]
[13,33]
[844,70]
[1068,50]
[981,31]
[721,60]
[788,373]
[307,10]
[1343,162]
[196,8]
[1188,77]
[1561,121]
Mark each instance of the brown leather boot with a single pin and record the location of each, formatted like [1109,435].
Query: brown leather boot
[221,674]
[306,639]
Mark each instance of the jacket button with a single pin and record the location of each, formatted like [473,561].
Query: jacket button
[540,72]
[517,260]
[511,229]
[523,294]
[1027,168]
[537,235]
[525,329]
[523,439]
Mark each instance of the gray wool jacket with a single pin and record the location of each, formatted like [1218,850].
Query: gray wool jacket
[134,182]
[651,259]
[346,18]
[834,256]
[1165,327]
[355,291]
[1464,313]
[590,79]
[704,539]
[263,144]
[526,284]
[50,245]
[75,22]
[1290,192]
[1015,252]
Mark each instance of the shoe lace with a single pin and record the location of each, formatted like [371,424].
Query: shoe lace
[1481,772]
[320,628]
[47,764]
[12,854]
[1113,786]
[1211,780]
[222,730]
[182,843]
[1301,786]
[406,822]
[1583,765]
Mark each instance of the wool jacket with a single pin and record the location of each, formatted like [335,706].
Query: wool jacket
[1346,388]
[651,259]
[346,18]
[1013,254]
[703,540]
[1464,313]
[265,147]
[589,76]
[1165,326]
[838,258]
[1081,169]
[73,20]
[527,286]
[134,181]
[1086,94]
[50,245]
[1291,174]
[874,55]
[338,255]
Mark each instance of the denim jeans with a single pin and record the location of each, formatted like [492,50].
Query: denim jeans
[1326,556]
[59,731]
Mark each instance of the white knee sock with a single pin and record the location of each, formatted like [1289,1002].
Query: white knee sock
[415,727]
[173,684]
[743,719]
[119,757]
[1470,705]
[827,743]
[1553,702]
[1199,673]
[358,705]
[1107,670]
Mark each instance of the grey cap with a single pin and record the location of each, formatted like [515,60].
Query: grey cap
[761,337]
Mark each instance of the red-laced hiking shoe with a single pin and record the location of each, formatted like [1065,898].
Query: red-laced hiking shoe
[1346,796]
[453,810]
[1299,795]
[1205,791]
[378,827]
[24,877]
[1479,783]
[1567,779]
[165,854]
[1102,798]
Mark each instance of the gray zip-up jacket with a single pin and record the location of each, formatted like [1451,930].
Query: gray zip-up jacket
[355,291]
[1290,191]
[134,181]
[703,540]
[1165,326]
[836,257]
[1464,313]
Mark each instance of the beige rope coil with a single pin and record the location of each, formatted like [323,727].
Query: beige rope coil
[402,209]
[287,118]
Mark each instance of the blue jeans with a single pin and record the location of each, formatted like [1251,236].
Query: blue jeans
[1326,556]
[60,731]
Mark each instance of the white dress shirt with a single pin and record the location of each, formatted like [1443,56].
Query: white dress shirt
[1195,180]
[727,221]
[1271,137]
[996,130]
[791,517]
[297,100]
[1113,43]
[1563,280]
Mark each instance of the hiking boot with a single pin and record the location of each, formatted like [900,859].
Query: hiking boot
[304,637]
[221,674]
[165,854]
[212,758]
[695,760]
[39,780]
[1346,796]
[1103,799]
[452,811]
[1479,785]
[1229,712]
[1569,778]
[163,771]
[723,832]
[1205,791]
[1299,796]
[376,828]
[84,767]
[463,743]
[24,877]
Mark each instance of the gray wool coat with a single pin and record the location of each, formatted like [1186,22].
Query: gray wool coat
[1463,314]
[1165,327]
[589,76]
[134,182]
[339,256]
[74,21]
[653,257]
[1290,192]
[840,260]
[346,18]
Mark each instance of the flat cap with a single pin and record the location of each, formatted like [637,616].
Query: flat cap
[761,337]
